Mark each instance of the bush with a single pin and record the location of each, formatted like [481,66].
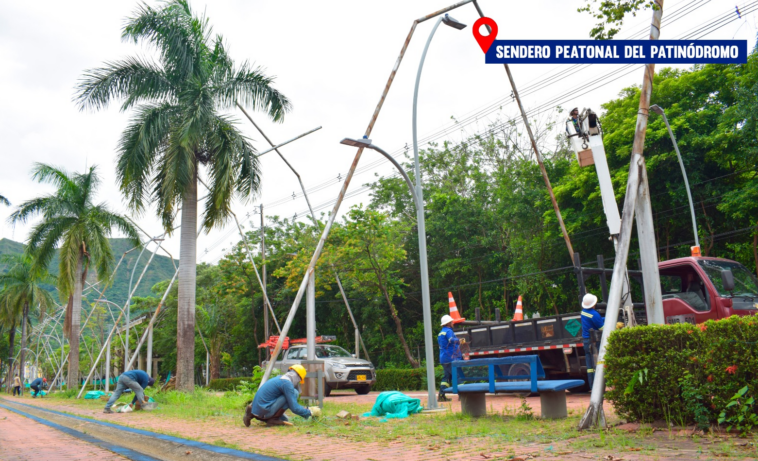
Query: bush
[681,373]
[400,379]
[226,384]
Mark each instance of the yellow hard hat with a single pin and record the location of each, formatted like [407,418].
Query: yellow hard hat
[300,370]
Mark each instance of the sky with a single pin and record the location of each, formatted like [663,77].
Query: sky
[332,60]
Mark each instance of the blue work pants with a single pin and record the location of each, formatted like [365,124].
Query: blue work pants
[590,359]
[125,382]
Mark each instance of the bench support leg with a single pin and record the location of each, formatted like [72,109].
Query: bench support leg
[473,403]
[553,404]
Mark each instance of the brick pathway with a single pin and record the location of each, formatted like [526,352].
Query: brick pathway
[24,439]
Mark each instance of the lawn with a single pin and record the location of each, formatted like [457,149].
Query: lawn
[513,428]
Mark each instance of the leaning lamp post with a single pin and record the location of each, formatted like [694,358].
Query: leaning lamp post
[429,348]
[659,110]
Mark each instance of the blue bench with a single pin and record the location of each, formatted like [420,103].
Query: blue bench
[472,396]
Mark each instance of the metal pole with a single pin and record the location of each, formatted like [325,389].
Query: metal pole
[352,318]
[310,316]
[115,324]
[207,368]
[263,276]
[315,223]
[536,150]
[149,364]
[594,414]
[357,344]
[421,226]
[108,366]
[684,173]
[345,185]
[285,142]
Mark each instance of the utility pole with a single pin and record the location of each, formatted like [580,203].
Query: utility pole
[536,150]
[637,199]
[263,262]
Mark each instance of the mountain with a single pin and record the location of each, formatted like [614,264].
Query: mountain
[161,268]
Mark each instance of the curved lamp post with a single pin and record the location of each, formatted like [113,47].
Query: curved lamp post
[659,110]
[418,198]
[421,224]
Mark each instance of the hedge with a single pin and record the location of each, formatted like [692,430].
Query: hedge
[403,379]
[681,373]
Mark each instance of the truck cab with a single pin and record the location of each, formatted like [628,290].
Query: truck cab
[694,289]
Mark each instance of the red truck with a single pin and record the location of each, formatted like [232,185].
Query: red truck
[694,289]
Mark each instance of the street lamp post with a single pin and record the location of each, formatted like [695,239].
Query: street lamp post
[421,223]
[659,110]
[431,385]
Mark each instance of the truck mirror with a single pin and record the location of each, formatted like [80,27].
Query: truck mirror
[727,279]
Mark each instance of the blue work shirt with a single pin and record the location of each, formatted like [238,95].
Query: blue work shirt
[36,383]
[450,348]
[271,391]
[140,377]
[591,320]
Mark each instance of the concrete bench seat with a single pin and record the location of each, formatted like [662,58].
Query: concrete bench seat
[552,395]
[472,396]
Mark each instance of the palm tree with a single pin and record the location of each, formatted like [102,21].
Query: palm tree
[23,289]
[177,128]
[4,201]
[9,319]
[72,221]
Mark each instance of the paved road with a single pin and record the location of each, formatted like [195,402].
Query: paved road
[24,439]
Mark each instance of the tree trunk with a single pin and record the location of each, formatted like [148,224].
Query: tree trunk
[185,319]
[755,250]
[215,363]
[24,334]
[76,320]
[11,362]
[398,325]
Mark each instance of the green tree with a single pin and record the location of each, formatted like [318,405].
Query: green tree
[23,291]
[368,249]
[177,128]
[78,230]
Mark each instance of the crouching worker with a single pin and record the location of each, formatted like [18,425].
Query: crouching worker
[137,381]
[36,386]
[278,395]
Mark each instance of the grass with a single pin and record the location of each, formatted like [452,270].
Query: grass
[498,432]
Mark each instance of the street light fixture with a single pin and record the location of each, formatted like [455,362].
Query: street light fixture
[659,110]
[425,297]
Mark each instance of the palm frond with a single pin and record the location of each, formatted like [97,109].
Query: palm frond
[134,79]
[4,201]
[144,139]
[172,30]
[251,88]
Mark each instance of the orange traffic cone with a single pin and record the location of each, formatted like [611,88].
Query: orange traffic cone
[454,309]
[519,315]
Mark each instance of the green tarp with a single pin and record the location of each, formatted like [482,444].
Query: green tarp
[94,394]
[394,404]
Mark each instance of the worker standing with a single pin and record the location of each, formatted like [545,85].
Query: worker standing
[137,381]
[450,349]
[278,395]
[16,386]
[591,320]
[36,386]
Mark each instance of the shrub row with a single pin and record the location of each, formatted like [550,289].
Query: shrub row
[681,373]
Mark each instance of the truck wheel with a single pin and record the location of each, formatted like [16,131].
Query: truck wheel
[363,390]
[327,390]
[522,369]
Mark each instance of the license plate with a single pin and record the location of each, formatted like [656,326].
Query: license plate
[360,377]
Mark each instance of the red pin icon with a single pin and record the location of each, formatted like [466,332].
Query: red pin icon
[485,41]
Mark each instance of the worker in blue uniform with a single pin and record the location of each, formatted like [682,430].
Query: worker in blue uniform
[278,395]
[450,349]
[591,320]
[137,381]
